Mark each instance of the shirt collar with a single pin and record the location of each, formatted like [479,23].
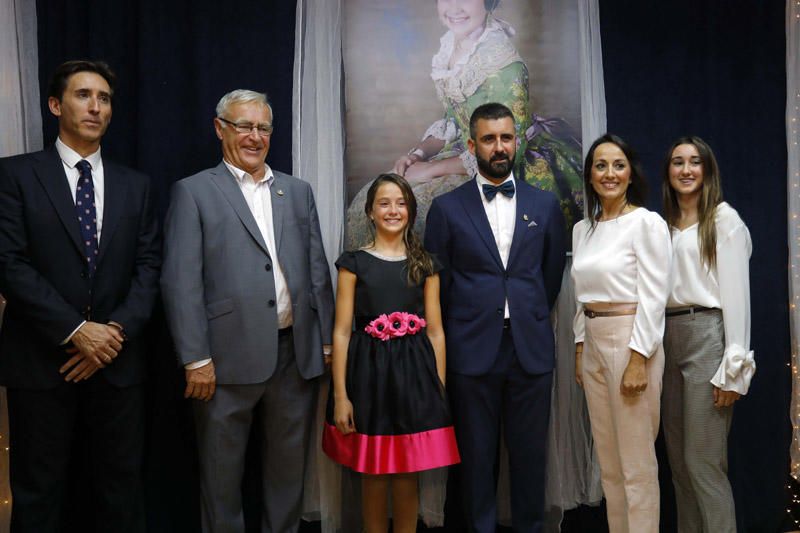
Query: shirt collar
[70,157]
[240,174]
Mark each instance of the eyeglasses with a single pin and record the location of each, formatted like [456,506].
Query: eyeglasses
[246,128]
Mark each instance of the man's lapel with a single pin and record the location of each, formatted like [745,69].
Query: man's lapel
[471,200]
[226,182]
[523,219]
[114,197]
[278,193]
[50,172]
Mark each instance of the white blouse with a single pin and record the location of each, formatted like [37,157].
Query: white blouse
[727,288]
[624,260]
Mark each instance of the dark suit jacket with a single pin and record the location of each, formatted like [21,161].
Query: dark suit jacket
[218,283]
[475,285]
[43,272]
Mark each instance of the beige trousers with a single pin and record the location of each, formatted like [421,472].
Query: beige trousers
[624,428]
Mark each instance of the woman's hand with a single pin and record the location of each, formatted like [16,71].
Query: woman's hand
[634,379]
[579,363]
[402,164]
[724,398]
[343,416]
[421,172]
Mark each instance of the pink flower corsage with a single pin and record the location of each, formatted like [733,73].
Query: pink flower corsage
[397,324]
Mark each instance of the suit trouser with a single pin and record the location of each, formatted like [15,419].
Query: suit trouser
[479,404]
[696,432]
[43,425]
[624,428]
[282,408]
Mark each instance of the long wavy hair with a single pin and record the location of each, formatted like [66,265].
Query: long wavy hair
[420,264]
[710,198]
[637,186]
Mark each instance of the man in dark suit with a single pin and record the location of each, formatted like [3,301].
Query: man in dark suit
[79,261]
[502,244]
[249,302]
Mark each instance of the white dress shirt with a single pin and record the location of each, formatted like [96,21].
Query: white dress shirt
[259,200]
[624,260]
[501,212]
[726,287]
[70,158]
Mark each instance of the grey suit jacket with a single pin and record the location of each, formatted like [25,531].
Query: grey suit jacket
[217,280]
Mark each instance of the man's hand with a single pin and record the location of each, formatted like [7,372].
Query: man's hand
[79,366]
[100,343]
[634,379]
[201,382]
[724,398]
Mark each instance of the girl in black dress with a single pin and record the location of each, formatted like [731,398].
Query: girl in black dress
[388,416]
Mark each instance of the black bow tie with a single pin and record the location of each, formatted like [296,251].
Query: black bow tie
[506,189]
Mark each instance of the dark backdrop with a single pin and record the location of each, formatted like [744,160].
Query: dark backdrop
[716,68]
[709,67]
[174,60]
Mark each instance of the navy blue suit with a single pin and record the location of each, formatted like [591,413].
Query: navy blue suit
[43,275]
[498,373]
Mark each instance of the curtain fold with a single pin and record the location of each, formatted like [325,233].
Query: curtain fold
[593,95]
[793,194]
[19,79]
[573,473]
[317,113]
[318,157]
[21,132]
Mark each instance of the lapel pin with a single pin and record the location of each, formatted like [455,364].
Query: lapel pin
[280,192]
[525,218]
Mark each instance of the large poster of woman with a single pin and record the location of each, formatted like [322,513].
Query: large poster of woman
[416,69]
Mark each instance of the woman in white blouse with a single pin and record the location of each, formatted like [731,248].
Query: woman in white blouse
[707,341]
[621,264]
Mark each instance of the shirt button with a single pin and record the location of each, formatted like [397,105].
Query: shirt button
[271,303]
[268,267]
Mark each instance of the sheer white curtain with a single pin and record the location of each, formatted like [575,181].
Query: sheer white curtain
[793,183]
[19,79]
[21,132]
[593,92]
[317,114]
[573,473]
[318,157]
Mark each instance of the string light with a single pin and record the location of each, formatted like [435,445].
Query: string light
[792,115]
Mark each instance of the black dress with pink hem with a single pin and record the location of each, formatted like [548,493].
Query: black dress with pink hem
[400,409]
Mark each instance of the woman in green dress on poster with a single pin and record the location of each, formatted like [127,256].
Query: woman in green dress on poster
[477,63]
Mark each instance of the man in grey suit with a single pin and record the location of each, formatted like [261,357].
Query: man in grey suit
[249,303]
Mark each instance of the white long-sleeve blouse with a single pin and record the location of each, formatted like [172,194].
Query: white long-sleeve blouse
[624,260]
[726,287]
